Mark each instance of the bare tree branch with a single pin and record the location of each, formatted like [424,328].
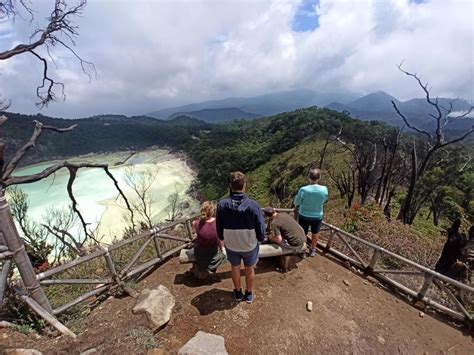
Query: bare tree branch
[59,233]
[59,21]
[59,25]
[468,160]
[460,138]
[39,127]
[450,119]
[17,180]
[424,87]
[10,9]
[408,123]
[48,95]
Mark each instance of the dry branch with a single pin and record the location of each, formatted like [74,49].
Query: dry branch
[59,233]
[39,127]
[59,29]
[408,124]
[72,168]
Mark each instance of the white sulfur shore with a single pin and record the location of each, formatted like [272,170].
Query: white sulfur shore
[97,196]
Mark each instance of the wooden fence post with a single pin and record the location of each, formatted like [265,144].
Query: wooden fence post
[189,229]
[373,261]
[424,288]
[4,271]
[156,242]
[330,239]
[115,277]
[20,257]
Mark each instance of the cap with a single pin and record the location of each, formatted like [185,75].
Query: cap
[268,211]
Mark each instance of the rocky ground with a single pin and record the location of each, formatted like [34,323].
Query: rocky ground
[350,314]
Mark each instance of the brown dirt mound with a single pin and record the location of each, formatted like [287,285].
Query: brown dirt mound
[350,315]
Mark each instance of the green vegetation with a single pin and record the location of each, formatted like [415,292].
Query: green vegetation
[246,145]
[143,336]
[94,135]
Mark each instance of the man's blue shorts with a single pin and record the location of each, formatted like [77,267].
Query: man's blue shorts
[250,258]
[306,222]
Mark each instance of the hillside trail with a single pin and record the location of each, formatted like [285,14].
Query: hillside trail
[351,315]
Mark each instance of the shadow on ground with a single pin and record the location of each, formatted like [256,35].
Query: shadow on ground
[213,300]
[188,279]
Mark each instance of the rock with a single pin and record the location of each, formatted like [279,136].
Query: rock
[309,306]
[421,314]
[157,304]
[90,351]
[380,339]
[22,352]
[419,305]
[204,343]
[346,283]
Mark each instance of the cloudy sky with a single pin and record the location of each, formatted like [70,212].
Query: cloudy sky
[150,54]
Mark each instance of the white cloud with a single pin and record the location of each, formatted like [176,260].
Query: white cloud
[154,53]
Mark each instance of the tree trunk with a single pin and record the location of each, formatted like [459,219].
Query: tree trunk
[379,194]
[404,214]
[23,263]
[436,218]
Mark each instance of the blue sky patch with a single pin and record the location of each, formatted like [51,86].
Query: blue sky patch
[306,18]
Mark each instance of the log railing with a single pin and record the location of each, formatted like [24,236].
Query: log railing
[115,277]
[334,240]
[434,289]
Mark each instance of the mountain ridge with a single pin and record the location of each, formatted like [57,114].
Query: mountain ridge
[263,105]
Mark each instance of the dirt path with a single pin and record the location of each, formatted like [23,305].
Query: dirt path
[356,318]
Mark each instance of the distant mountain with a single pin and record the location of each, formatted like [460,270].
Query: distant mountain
[374,102]
[378,106]
[217,115]
[185,121]
[263,105]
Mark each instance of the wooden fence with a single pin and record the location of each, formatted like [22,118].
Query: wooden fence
[119,277]
[433,289]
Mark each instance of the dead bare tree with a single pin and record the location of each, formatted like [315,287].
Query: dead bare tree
[174,204]
[330,137]
[60,30]
[432,143]
[141,183]
[345,181]
[365,158]
[7,226]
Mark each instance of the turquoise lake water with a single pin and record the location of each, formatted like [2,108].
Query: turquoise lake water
[96,194]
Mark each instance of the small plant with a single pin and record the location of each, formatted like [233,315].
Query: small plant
[143,336]
[24,328]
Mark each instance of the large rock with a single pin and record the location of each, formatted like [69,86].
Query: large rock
[204,343]
[157,304]
[22,352]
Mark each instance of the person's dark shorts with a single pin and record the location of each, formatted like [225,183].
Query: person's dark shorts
[306,223]
[250,258]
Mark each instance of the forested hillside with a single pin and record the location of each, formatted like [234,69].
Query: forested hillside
[362,161]
[96,134]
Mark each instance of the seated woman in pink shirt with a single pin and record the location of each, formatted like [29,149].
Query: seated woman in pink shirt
[207,247]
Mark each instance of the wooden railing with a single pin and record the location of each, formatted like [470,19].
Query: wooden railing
[433,288]
[129,271]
